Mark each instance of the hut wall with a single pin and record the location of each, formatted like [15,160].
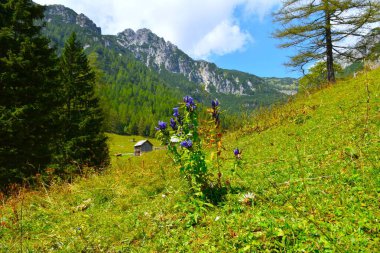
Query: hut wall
[146,147]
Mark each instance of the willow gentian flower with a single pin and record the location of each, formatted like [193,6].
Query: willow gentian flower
[161,125]
[188,99]
[214,103]
[186,144]
[175,112]
[173,124]
[190,105]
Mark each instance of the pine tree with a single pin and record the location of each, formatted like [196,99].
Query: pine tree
[84,140]
[319,28]
[29,92]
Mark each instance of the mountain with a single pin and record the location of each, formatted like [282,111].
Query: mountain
[120,57]
[159,54]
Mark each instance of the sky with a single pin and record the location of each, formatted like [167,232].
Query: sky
[234,34]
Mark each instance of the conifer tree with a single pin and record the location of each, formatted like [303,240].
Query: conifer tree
[29,92]
[84,142]
[319,28]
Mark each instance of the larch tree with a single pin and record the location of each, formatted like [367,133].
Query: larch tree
[84,141]
[321,29]
[29,92]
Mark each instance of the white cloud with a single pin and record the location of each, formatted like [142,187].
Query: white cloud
[261,8]
[199,27]
[223,39]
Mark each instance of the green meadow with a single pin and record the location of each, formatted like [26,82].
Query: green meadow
[309,182]
[122,144]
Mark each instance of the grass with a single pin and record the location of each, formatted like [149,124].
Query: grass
[312,166]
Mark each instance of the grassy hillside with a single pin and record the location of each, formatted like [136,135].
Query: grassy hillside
[312,167]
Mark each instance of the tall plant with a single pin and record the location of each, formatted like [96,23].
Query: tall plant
[185,145]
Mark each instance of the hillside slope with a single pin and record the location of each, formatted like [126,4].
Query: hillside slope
[311,165]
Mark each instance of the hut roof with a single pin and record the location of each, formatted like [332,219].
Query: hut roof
[140,143]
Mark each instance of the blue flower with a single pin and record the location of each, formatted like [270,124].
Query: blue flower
[161,125]
[188,99]
[173,124]
[237,153]
[186,144]
[176,113]
[190,105]
[214,103]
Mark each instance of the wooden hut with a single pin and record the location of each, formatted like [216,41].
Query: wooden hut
[142,147]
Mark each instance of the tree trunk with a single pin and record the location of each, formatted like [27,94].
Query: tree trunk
[329,46]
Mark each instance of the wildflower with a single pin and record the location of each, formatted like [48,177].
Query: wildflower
[186,144]
[173,124]
[188,99]
[237,153]
[161,125]
[215,111]
[214,103]
[175,112]
[248,198]
[174,139]
[190,105]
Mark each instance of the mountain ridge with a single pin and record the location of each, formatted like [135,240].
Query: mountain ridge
[157,53]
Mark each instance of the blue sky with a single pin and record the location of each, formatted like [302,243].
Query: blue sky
[262,56]
[234,34]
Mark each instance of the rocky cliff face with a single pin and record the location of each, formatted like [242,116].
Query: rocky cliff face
[159,54]
[68,16]
[162,55]
[153,51]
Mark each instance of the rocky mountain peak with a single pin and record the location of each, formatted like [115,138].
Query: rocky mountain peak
[140,37]
[60,13]
[128,33]
[66,15]
[145,31]
[160,55]
[83,21]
